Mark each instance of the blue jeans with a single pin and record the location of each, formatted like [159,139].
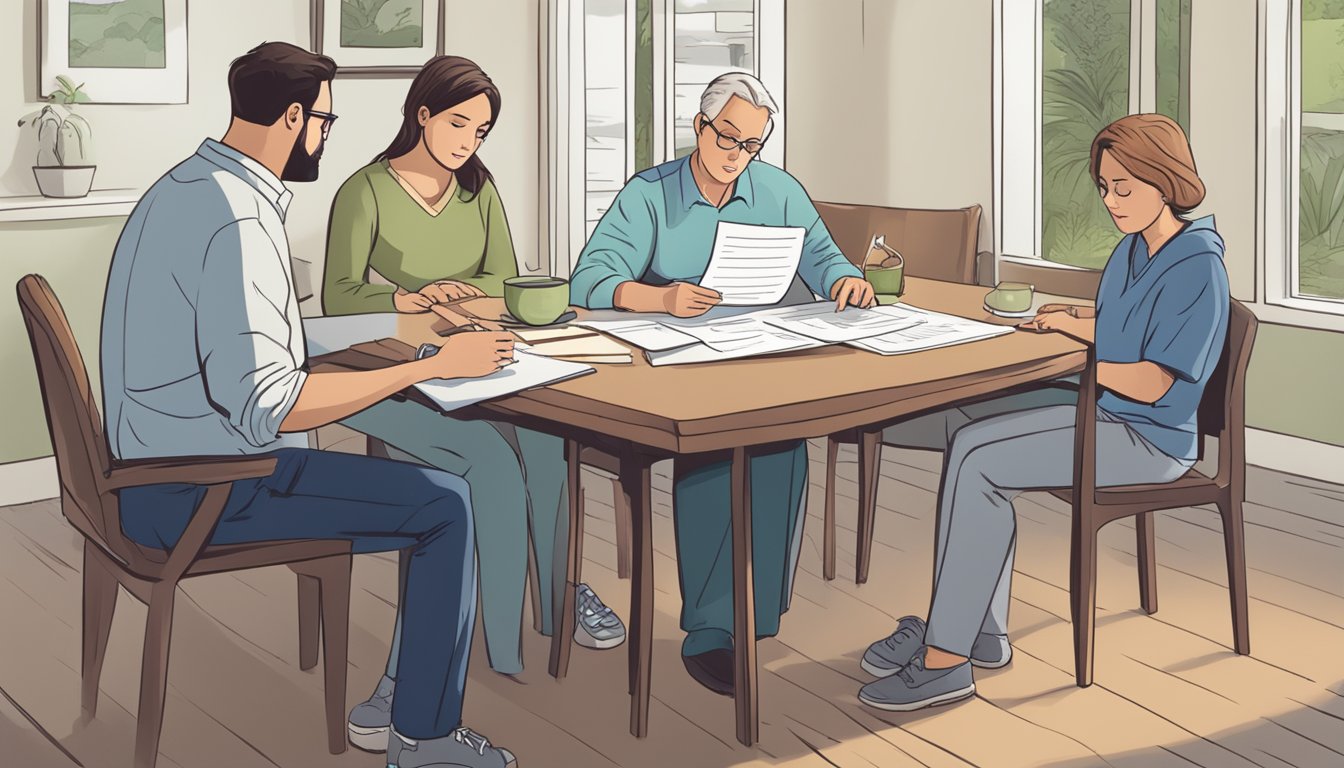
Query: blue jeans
[377,506]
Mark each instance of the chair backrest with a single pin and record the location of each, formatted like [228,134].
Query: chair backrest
[1222,410]
[82,456]
[937,244]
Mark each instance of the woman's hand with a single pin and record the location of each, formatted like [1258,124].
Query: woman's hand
[411,303]
[444,291]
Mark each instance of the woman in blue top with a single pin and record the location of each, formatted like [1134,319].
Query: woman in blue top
[1159,326]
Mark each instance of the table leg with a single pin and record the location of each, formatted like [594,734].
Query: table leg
[636,477]
[870,448]
[563,621]
[744,602]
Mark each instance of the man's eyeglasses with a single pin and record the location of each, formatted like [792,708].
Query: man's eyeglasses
[327,120]
[750,146]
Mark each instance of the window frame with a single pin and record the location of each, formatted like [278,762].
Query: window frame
[1280,142]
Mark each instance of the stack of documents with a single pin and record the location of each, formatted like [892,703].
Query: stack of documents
[580,345]
[937,330]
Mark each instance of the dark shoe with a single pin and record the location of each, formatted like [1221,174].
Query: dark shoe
[713,669]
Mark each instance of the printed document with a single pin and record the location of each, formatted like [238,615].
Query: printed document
[937,330]
[753,265]
[820,321]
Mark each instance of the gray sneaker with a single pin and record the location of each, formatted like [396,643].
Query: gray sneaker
[370,721]
[885,657]
[597,626]
[915,687]
[463,748]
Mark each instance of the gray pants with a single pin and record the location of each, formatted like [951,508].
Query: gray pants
[997,450]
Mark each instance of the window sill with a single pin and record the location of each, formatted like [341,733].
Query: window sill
[1050,277]
[1299,313]
[99,202]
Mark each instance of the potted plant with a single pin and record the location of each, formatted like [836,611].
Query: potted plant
[65,143]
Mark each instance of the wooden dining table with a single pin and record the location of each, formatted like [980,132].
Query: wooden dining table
[640,414]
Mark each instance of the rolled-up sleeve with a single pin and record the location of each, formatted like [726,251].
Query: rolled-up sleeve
[1189,321]
[619,250]
[243,332]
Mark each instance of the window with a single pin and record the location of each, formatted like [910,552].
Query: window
[1065,69]
[1084,87]
[607,143]
[1318,270]
[710,37]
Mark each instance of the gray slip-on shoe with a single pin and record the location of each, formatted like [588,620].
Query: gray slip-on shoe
[916,687]
[463,748]
[370,721]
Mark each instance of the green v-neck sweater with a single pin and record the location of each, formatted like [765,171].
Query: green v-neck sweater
[375,224]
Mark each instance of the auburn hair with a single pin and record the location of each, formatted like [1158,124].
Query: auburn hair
[1154,149]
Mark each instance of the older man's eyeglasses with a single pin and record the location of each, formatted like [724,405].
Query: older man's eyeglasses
[327,119]
[750,146]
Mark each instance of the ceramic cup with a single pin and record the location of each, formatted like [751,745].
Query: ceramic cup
[536,299]
[1010,297]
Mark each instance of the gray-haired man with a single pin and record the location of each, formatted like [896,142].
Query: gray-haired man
[647,254]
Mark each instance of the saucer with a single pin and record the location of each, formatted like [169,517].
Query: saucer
[888,298]
[509,319]
[1002,313]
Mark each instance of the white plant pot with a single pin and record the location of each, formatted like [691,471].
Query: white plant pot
[64,180]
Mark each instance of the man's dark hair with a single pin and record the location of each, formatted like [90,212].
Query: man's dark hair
[264,81]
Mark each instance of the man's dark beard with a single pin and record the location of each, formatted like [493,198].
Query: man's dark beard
[302,166]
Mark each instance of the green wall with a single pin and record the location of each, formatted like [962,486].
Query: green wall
[73,256]
[1293,386]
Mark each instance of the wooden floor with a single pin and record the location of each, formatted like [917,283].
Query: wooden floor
[1169,690]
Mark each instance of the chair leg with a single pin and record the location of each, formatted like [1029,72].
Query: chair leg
[828,522]
[870,448]
[622,510]
[1145,527]
[154,673]
[1083,593]
[335,591]
[562,638]
[100,602]
[1234,539]
[310,620]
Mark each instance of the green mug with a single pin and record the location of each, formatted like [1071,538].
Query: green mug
[536,299]
[1010,297]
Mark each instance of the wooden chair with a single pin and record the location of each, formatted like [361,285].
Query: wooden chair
[1222,414]
[90,479]
[936,244]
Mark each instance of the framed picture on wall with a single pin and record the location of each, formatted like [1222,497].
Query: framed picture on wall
[378,38]
[123,51]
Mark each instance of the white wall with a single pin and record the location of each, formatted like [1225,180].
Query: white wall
[889,102]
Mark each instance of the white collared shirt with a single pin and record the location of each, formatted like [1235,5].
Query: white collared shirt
[202,345]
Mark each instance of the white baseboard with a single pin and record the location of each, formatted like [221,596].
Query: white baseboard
[1295,455]
[25,481]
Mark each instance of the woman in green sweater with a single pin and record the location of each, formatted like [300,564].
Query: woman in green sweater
[426,216]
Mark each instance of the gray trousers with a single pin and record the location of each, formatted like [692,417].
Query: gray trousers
[996,450]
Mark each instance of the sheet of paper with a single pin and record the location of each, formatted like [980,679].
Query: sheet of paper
[820,321]
[937,330]
[528,371]
[648,335]
[746,334]
[753,265]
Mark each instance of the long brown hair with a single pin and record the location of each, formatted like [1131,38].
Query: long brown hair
[443,82]
[1155,150]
